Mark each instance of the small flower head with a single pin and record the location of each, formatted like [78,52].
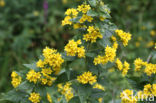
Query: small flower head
[35,97]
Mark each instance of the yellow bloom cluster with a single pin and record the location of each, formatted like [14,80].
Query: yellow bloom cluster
[16,79]
[87,77]
[66,90]
[153,33]
[125,37]
[46,79]
[33,76]
[35,97]
[71,13]
[49,98]
[66,21]
[149,68]
[122,67]
[99,86]
[83,8]
[73,49]
[51,58]
[77,26]
[138,64]
[128,97]
[110,54]
[100,100]
[85,18]
[149,90]
[92,34]
[2,3]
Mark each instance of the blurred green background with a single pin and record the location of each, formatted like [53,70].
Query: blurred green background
[27,26]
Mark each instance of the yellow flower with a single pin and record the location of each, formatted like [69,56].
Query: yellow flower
[122,67]
[125,37]
[150,69]
[2,3]
[36,13]
[126,68]
[87,77]
[51,58]
[100,100]
[92,34]
[85,18]
[35,97]
[113,38]
[73,49]
[66,90]
[33,76]
[154,89]
[14,74]
[40,64]
[46,71]
[16,79]
[49,98]
[150,44]
[84,8]
[102,18]
[110,53]
[119,64]
[153,33]
[147,89]
[138,64]
[72,12]
[66,21]
[128,97]
[99,86]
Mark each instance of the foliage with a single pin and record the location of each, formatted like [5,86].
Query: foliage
[89,59]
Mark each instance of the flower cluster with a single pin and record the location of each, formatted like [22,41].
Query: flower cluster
[35,97]
[16,79]
[43,77]
[33,76]
[46,78]
[149,67]
[138,64]
[66,90]
[122,67]
[110,54]
[87,77]
[71,14]
[52,59]
[73,49]
[92,34]
[83,8]
[2,3]
[99,86]
[127,96]
[49,98]
[150,89]
[125,37]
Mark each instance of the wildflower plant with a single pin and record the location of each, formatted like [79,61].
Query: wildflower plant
[96,44]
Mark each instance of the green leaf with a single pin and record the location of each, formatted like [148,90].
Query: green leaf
[31,66]
[92,13]
[92,2]
[75,100]
[14,96]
